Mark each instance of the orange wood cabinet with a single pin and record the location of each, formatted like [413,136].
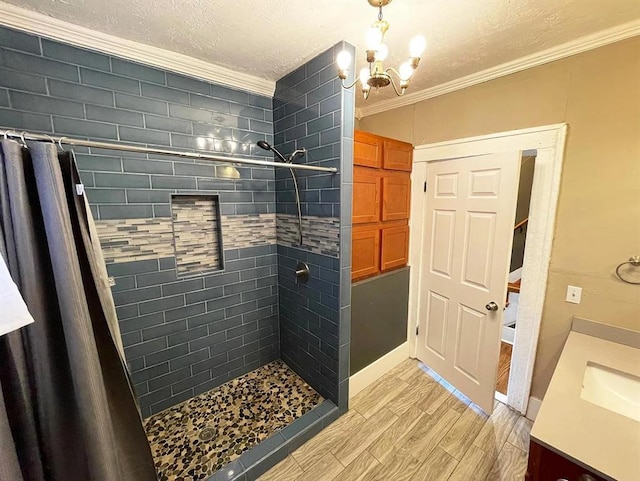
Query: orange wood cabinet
[366,196]
[367,150]
[365,252]
[381,203]
[395,247]
[397,155]
[396,197]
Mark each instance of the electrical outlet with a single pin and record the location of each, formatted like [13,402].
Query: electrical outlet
[574,294]
[112,282]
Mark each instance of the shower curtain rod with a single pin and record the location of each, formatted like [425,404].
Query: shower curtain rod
[175,153]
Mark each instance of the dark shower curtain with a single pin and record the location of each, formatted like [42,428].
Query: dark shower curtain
[67,410]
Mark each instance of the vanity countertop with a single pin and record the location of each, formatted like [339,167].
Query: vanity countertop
[592,436]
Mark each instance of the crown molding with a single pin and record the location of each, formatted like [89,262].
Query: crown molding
[49,27]
[582,44]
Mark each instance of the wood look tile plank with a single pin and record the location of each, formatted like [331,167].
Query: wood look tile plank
[419,391]
[285,470]
[519,435]
[400,466]
[475,465]
[325,468]
[382,447]
[434,399]
[456,401]
[510,465]
[406,426]
[437,467]
[331,436]
[361,437]
[419,372]
[376,396]
[405,369]
[359,468]
[495,431]
[427,433]
[462,434]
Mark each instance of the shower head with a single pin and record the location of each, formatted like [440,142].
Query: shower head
[297,153]
[266,146]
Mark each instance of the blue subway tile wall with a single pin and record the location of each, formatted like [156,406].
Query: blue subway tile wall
[182,336]
[310,107]
[309,318]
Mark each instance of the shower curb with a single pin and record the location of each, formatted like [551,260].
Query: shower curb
[259,459]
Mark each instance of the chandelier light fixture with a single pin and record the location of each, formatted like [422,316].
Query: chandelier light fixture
[376,75]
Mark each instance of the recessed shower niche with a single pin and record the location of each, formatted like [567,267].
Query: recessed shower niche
[197,234]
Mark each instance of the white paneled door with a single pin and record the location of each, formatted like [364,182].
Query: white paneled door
[469,211]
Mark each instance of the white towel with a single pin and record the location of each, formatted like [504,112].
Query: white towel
[14,311]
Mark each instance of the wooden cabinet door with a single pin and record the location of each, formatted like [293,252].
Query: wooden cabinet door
[365,252]
[395,247]
[397,155]
[396,197]
[366,196]
[367,150]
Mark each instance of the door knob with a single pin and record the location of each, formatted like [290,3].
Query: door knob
[492,306]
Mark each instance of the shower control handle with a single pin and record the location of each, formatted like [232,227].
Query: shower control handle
[302,273]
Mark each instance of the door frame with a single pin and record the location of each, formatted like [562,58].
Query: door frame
[549,142]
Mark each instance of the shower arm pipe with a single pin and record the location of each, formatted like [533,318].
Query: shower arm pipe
[148,150]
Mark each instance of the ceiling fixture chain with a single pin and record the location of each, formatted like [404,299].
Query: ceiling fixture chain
[376,75]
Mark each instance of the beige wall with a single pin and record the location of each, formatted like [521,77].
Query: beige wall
[598,222]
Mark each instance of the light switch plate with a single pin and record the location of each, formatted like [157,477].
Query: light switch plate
[574,294]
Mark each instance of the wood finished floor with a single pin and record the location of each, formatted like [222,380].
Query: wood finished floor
[407,426]
[504,366]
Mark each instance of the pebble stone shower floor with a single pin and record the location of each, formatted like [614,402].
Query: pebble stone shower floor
[192,440]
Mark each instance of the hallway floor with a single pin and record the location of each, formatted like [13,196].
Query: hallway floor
[408,426]
[504,367]
[199,436]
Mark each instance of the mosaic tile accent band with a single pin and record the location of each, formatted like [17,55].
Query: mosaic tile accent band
[319,234]
[196,438]
[127,240]
[240,231]
[196,234]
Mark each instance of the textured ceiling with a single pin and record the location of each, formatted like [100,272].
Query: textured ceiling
[270,38]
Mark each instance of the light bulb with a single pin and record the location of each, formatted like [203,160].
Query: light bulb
[343,60]
[364,77]
[374,38]
[405,71]
[382,52]
[417,46]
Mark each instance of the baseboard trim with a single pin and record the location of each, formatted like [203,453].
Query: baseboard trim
[501,397]
[533,408]
[377,369]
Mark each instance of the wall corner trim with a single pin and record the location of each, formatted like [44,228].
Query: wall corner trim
[533,408]
[377,369]
[49,27]
[573,47]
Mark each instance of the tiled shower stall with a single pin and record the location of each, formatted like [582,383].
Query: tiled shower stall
[203,253]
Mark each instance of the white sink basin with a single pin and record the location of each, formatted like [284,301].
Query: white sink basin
[611,389]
